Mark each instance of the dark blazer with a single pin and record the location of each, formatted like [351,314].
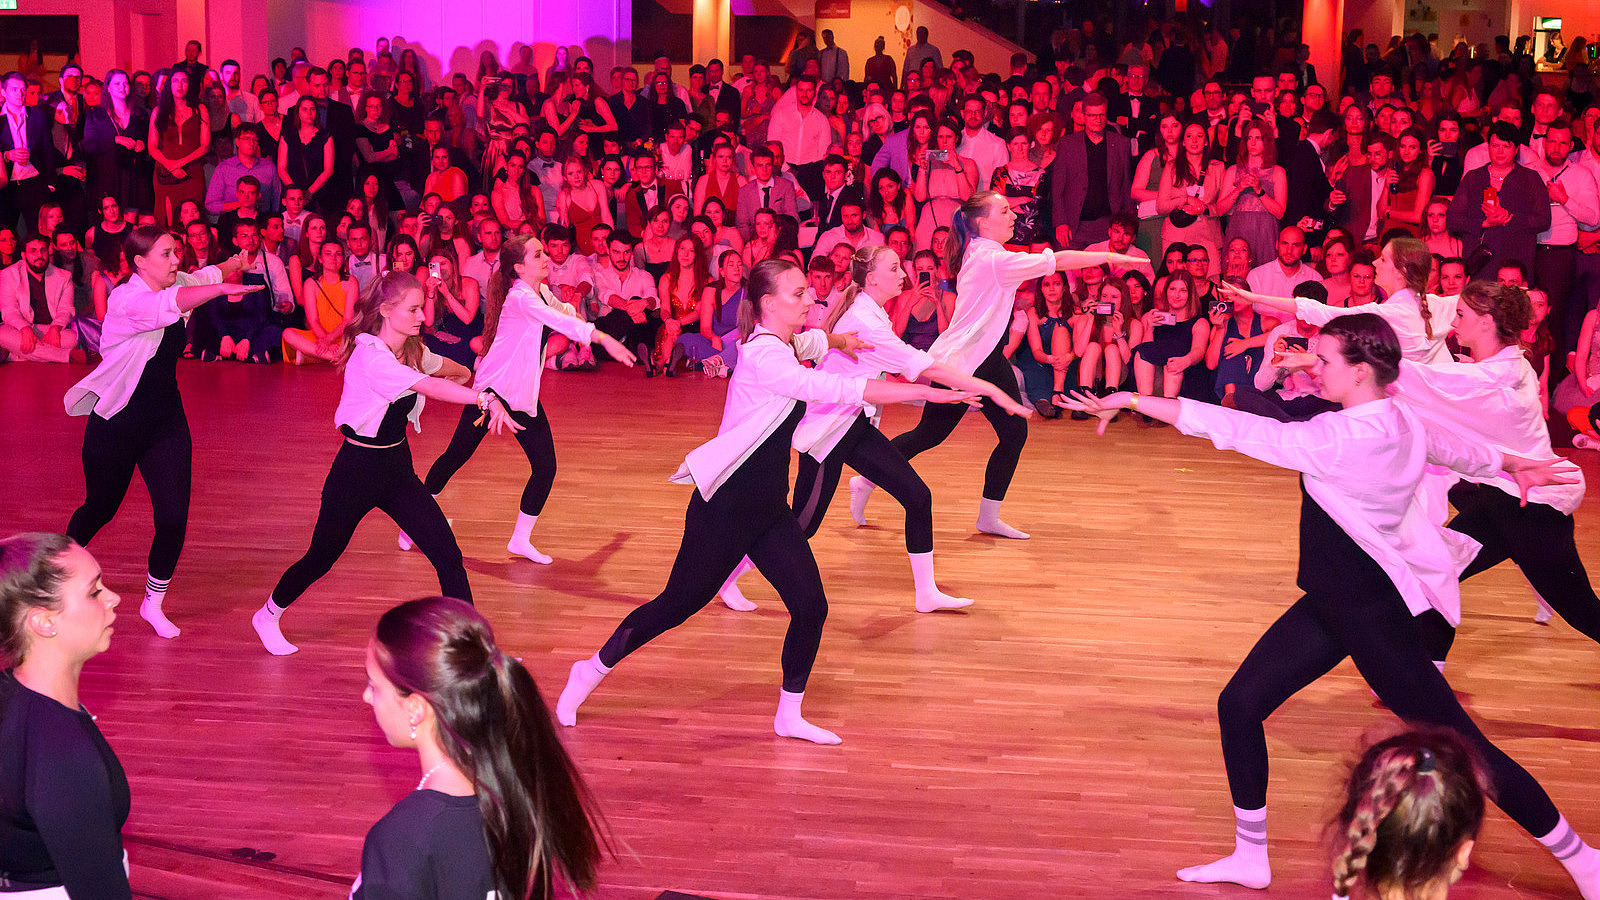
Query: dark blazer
[1308,183]
[828,213]
[1139,129]
[729,101]
[1355,213]
[1524,194]
[41,150]
[1069,187]
[633,202]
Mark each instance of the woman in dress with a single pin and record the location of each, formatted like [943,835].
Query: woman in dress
[271,126]
[453,308]
[1174,336]
[890,204]
[656,246]
[328,297]
[740,505]
[715,347]
[581,204]
[1018,181]
[514,198]
[945,178]
[723,231]
[1189,188]
[1410,186]
[180,136]
[307,256]
[444,178]
[305,157]
[115,137]
[681,290]
[501,115]
[720,182]
[1436,232]
[380,152]
[1253,193]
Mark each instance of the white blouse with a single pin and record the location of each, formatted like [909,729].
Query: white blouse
[515,361]
[986,291]
[374,378]
[761,394]
[1403,314]
[826,423]
[1363,466]
[1495,401]
[136,316]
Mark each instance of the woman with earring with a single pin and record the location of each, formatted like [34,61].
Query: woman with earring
[64,793]
[501,810]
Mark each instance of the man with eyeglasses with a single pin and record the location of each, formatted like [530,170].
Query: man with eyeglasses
[1215,109]
[1090,179]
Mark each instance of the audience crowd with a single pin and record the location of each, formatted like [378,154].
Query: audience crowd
[1217,156]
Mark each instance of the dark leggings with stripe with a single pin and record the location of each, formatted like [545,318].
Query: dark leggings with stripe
[536,442]
[939,419]
[865,449]
[162,450]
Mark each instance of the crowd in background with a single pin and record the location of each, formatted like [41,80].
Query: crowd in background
[1218,156]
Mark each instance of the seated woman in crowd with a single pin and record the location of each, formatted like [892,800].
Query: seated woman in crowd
[452,312]
[715,346]
[444,177]
[1175,334]
[724,232]
[402,255]
[582,204]
[1337,257]
[890,204]
[1234,350]
[199,248]
[514,197]
[1435,232]
[1044,348]
[923,312]
[681,290]
[328,296]
[307,258]
[1100,335]
[763,236]
[656,246]
[379,209]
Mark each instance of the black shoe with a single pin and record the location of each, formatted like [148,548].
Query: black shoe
[1047,409]
[678,358]
[646,359]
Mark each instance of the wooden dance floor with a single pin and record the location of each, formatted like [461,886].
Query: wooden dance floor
[1057,739]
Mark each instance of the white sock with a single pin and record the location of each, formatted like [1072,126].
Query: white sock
[155,591]
[731,596]
[1248,864]
[581,681]
[520,545]
[267,627]
[1581,861]
[929,597]
[989,521]
[787,723]
[860,493]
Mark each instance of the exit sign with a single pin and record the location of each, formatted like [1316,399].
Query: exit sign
[8,4]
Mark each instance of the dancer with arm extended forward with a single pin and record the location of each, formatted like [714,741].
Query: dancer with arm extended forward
[387,373]
[740,506]
[1372,563]
[832,436]
[987,276]
[520,315]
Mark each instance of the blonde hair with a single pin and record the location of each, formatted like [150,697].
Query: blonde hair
[862,262]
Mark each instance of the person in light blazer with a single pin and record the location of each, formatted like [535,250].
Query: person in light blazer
[23,333]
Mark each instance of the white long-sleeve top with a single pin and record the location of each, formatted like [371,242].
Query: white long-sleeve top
[1363,465]
[1297,383]
[761,394]
[826,423]
[805,136]
[1495,402]
[1403,314]
[136,316]
[986,291]
[515,363]
[374,378]
[1583,201]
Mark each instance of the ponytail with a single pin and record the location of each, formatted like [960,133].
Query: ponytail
[1413,259]
[963,229]
[368,316]
[862,262]
[512,253]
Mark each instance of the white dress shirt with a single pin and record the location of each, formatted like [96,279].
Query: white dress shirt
[987,150]
[479,268]
[19,139]
[761,394]
[986,291]
[1363,465]
[637,283]
[136,316]
[1403,314]
[805,137]
[833,237]
[515,363]
[373,379]
[1270,279]
[1297,383]
[1582,208]
[573,273]
[364,269]
[825,424]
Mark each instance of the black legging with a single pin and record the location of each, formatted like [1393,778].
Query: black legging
[363,479]
[939,419]
[747,516]
[536,442]
[865,449]
[163,451]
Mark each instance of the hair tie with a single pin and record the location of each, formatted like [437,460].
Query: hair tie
[1425,763]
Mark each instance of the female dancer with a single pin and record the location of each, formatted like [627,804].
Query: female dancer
[388,373]
[1495,399]
[987,276]
[1381,564]
[740,505]
[501,810]
[135,411]
[832,436]
[64,792]
[520,314]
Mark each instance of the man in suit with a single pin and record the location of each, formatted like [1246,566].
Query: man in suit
[36,307]
[764,189]
[27,153]
[835,193]
[1354,198]
[1308,187]
[1137,113]
[724,98]
[340,121]
[1090,179]
[646,191]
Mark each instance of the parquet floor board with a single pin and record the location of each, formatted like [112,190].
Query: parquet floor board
[1059,739]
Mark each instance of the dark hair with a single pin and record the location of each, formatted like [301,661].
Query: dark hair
[140,242]
[1505,131]
[1410,803]
[1508,305]
[761,282]
[963,229]
[494,726]
[1367,338]
[31,574]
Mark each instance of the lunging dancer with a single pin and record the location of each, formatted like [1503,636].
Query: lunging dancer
[987,278]
[1373,562]
[832,436]
[135,411]
[741,504]
[519,316]
[387,373]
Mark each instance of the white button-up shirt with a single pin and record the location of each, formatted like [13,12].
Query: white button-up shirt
[761,394]
[987,150]
[825,424]
[1583,201]
[1403,314]
[1363,465]
[833,237]
[609,283]
[514,363]
[374,378]
[805,136]
[1270,279]
[986,291]
[19,139]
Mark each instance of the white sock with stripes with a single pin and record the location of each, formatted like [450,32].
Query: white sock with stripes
[1581,861]
[155,591]
[1248,864]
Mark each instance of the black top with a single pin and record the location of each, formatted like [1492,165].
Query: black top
[393,428]
[63,799]
[157,394]
[430,845]
[1096,205]
[1330,559]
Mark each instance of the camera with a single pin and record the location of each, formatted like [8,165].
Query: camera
[1223,306]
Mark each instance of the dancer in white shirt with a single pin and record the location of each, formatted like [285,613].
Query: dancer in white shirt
[520,316]
[740,505]
[135,411]
[1380,564]
[987,276]
[832,436]
[387,375]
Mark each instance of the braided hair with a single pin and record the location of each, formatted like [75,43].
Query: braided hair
[1412,259]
